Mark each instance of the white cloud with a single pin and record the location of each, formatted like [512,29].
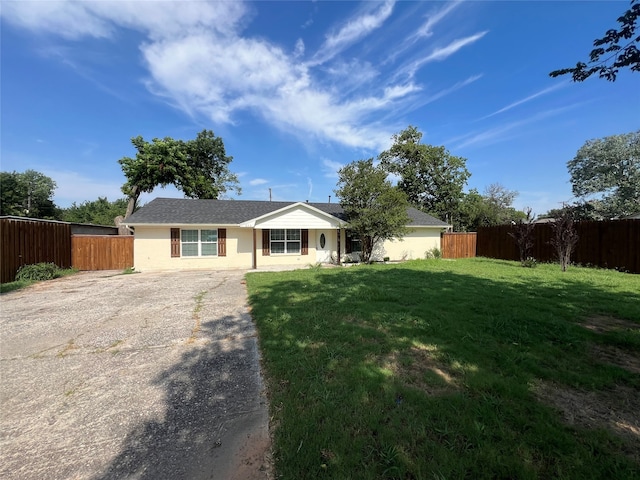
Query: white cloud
[330,168]
[502,132]
[352,31]
[200,61]
[527,99]
[426,29]
[258,181]
[442,53]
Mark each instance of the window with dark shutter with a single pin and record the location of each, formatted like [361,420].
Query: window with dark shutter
[175,242]
[305,241]
[265,243]
[347,242]
[222,242]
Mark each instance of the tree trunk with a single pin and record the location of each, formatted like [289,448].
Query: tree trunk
[133,200]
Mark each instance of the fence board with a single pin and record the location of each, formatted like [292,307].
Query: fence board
[102,252]
[607,244]
[458,245]
[25,242]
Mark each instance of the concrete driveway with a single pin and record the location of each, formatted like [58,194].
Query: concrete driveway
[143,376]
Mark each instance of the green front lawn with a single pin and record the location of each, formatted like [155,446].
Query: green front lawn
[439,369]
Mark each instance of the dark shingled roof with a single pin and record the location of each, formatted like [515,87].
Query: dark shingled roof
[172,211]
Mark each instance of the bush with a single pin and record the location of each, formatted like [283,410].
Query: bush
[529,262]
[433,253]
[39,271]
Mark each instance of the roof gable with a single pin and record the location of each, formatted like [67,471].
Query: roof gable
[298,213]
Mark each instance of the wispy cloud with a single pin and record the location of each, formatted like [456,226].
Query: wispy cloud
[352,31]
[527,99]
[504,131]
[441,53]
[426,29]
[201,61]
[330,168]
[257,181]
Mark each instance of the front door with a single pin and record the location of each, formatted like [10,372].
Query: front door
[323,246]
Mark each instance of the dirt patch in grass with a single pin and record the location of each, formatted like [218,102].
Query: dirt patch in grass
[615,410]
[616,356]
[419,368]
[604,323]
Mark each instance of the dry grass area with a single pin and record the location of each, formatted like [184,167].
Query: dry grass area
[616,409]
[604,323]
[420,368]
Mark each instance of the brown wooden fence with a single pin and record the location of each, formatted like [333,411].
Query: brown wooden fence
[458,245]
[102,252]
[606,244]
[25,242]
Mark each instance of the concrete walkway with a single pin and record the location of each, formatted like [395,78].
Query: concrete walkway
[145,376]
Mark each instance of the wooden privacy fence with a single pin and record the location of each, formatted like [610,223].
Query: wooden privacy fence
[606,244]
[102,252]
[25,242]
[458,245]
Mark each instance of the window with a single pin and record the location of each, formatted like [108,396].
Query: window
[352,242]
[199,243]
[284,240]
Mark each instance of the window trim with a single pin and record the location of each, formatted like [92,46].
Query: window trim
[200,243]
[285,241]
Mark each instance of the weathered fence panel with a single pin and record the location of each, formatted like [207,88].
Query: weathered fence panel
[28,241]
[102,252]
[458,245]
[606,244]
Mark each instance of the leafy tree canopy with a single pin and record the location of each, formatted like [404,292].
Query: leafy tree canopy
[376,209]
[609,167]
[28,194]
[617,49]
[430,176]
[199,167]
[97,212]
[494,207]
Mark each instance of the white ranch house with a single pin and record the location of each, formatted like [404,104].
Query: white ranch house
[173,234]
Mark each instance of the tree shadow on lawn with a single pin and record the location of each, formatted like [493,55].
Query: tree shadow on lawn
[446,358]
[210,392]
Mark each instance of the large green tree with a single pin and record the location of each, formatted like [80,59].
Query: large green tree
[97,212]
[610,169]
[430,176]
[375,209]
[28,194]
[617,49]
[494,207]
[199,167]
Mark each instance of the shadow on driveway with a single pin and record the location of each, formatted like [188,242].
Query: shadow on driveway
[213,405]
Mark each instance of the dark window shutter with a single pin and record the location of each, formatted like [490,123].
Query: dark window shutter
[175,242]
[265,243]
[347,242]
[222,242]
[304,235]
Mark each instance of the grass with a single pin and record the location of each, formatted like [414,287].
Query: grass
[429,369]
[19,284]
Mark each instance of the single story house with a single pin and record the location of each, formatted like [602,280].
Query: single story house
[176,233]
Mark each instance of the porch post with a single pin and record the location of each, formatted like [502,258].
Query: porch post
[339,263]
[254,255]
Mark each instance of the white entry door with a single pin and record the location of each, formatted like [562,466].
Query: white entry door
[323,246]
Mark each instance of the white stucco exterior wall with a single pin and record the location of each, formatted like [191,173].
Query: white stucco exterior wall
[412,246]
[152,250]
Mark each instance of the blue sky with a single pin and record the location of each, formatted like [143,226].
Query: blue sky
[298,89]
